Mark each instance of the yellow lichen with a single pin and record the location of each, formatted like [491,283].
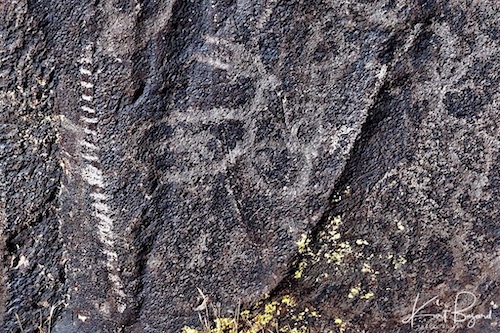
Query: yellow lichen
[341,251]
[399,262]
[224,324]
[303,244]
[354,292]
[361,242]
[245,314]
[337,220]
[315,314]
[302,329]
[341,324]
[367,295]
[270,307]
[300,270]
[288,300]
[366,268]
[267,319]
[260,321]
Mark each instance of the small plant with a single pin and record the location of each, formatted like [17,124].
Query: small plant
[44,326]
[219,324]
[264,318]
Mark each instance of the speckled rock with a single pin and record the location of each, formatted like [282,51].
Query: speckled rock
[343,154]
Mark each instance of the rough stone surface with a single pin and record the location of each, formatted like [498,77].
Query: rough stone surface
[149,149]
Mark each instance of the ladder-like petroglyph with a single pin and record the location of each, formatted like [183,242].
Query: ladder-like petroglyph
[3,225]
[92,174]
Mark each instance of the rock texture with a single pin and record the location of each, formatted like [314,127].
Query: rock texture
[343,154]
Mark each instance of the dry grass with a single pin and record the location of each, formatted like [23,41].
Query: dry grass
[211,319]
[43,326]
[265,318]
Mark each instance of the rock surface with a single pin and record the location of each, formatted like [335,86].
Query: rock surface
[343,154]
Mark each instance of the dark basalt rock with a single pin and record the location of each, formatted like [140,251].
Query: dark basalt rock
[149,149]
